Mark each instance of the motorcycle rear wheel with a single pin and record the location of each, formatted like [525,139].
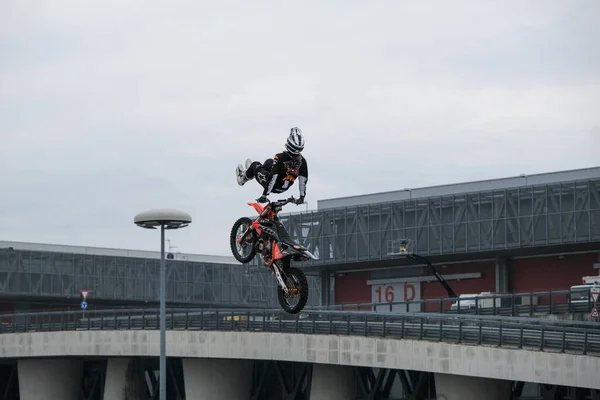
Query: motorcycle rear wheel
[295,279]
[251,240]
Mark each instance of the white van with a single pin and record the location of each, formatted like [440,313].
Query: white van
[581,293]
[468,301]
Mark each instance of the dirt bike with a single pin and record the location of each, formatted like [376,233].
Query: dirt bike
[267,235]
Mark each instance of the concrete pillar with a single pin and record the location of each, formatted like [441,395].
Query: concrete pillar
[332,382]
[459,387]
[124,380]
[214,378]
[325,288]
[43,378]
[502,285]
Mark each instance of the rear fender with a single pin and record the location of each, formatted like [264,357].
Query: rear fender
[301,252]
[308,254]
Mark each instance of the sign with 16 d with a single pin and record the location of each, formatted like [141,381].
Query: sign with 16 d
[397,293]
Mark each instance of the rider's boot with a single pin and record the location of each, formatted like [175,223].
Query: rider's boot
[241,172]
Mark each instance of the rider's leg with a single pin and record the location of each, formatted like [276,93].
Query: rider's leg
[255,170]
[261,172]
[252,169]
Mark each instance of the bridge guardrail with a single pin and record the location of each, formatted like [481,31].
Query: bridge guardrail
[504,304]
[494,331]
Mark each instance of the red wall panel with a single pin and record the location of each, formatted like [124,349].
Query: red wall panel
[487,282]
[549,273]
[352,288]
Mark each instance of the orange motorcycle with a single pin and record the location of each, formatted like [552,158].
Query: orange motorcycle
[266,235]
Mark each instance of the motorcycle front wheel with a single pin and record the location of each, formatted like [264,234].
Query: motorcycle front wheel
[297,285]
[248,245]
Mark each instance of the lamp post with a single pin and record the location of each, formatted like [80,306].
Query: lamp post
[166,219]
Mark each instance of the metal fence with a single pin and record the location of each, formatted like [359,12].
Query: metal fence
[558,303]
[510,304]
[523,333]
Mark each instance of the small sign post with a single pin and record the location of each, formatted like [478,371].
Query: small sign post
[84,296]
[595,293]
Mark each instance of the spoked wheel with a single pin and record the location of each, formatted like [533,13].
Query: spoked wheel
[245,250]
[297,285]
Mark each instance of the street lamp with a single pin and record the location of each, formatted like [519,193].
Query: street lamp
[166,219]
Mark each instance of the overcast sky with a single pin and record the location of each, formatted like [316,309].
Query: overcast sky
[108,108]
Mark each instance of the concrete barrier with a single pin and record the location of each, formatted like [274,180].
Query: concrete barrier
[443,358]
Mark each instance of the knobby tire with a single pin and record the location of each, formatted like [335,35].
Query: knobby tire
[292,271]
[233,242]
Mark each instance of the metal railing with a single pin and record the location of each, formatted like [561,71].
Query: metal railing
[522,333]
[509,304]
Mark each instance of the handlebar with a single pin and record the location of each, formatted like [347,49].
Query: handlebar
[282,202]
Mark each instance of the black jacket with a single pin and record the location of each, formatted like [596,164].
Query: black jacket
[284,172]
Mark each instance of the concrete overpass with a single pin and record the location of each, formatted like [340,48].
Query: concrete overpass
[468,357]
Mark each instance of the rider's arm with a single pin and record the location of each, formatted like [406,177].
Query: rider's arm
[303,178]
[275,171]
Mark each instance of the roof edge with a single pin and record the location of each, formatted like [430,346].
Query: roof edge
[462,187]
[113,252]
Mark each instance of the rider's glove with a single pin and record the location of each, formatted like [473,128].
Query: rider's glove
[300,200]
[262,199]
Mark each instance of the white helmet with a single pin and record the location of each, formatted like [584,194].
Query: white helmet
[295,142]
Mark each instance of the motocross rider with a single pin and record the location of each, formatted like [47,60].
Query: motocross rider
[278,174]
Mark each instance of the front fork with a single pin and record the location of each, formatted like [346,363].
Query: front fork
[279,277]
[274,266]
[282,284]
[277,270]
